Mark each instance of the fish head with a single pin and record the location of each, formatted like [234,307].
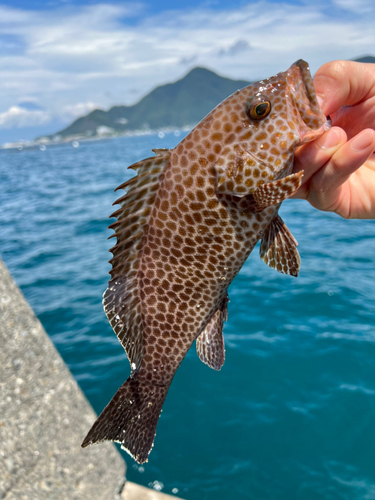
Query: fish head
[274,117]
[284,112]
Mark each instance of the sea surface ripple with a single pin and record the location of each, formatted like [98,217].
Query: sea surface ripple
[292,413]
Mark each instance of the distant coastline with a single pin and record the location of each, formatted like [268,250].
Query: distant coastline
[76,140]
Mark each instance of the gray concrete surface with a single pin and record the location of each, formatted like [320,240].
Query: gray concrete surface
[133,491]
[44,416]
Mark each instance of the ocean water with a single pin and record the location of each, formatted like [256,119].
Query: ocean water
[291,415]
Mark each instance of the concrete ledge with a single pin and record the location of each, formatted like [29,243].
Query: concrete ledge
[133,491]
[44,416]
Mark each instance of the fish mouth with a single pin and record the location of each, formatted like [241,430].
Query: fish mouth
[311,122]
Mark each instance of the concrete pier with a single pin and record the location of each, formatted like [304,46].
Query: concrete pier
[44,417]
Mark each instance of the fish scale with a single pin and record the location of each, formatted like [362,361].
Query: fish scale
[187,223]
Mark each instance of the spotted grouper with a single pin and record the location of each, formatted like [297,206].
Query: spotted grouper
[187,223]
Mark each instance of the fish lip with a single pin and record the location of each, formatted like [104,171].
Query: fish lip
[309,87]
[305,132]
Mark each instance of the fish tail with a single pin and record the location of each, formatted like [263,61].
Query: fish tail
[131,417]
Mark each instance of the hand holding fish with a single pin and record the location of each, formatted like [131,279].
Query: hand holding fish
[339,167]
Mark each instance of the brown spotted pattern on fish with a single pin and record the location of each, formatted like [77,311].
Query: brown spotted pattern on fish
[186,225]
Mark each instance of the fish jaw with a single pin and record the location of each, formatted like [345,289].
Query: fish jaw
[303,106]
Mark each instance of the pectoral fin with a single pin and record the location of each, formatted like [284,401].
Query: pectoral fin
[274,192]
[210,343]
[278,248]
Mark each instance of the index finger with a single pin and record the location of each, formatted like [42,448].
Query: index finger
[341,83]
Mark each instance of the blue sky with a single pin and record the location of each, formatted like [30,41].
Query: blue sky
[61,59]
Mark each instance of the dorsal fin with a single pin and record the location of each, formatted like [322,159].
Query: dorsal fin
[120,300]
[159,151]
[210,343]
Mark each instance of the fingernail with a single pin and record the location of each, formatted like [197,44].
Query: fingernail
[331,139]
[362,141]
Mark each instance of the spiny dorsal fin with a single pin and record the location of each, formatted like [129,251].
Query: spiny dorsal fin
[278,248]
[210,343]
[120,300]
[160,151]
[275,192]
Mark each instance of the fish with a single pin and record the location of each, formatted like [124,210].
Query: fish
[187,222]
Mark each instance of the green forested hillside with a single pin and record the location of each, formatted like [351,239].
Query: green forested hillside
[184,102]
[178,104]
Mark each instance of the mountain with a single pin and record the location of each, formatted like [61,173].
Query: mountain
[178,104]
[366,59]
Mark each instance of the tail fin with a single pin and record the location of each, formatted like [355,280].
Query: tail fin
[130,418]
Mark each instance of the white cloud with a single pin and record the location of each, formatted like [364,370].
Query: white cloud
[78,109]
[19,117]
[357,6]
[238,46]
[94,57]
[30,114]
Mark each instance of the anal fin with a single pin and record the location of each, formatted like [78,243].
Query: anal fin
[210,343]
[275,192]
[278,248]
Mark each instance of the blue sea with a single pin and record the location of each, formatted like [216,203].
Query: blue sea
[291,415]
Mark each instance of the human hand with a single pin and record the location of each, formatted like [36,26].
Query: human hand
[339,167]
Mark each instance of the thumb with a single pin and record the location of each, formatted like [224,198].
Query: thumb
[343,83]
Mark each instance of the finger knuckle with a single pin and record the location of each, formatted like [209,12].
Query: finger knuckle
[335,164]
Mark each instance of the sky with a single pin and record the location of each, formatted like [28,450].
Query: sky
[61,59]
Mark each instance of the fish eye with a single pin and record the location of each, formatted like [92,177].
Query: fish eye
[258,108]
